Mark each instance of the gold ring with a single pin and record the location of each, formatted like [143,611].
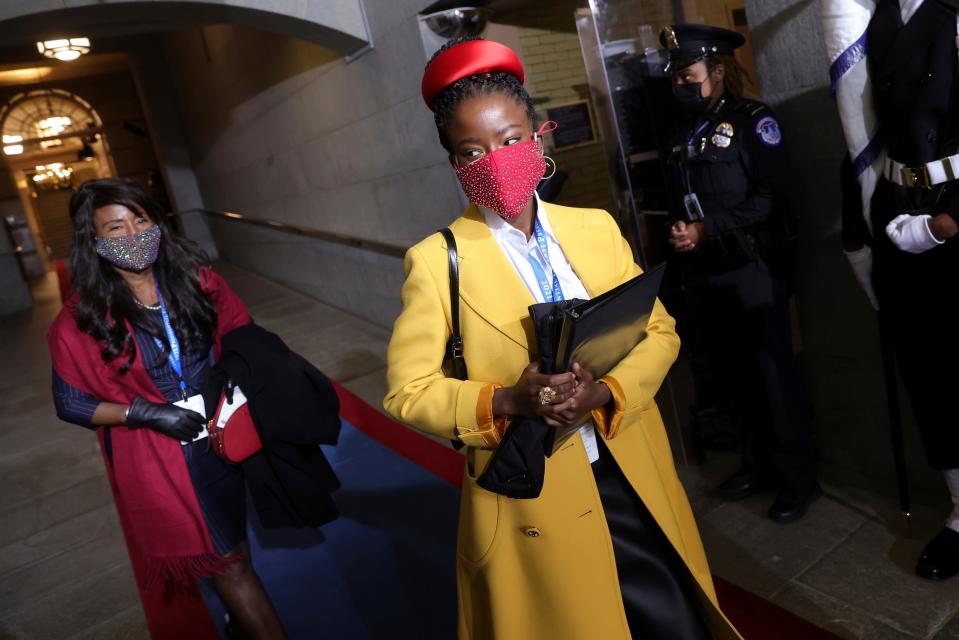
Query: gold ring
[546,395]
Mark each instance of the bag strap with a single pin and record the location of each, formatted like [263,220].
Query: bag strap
[454,282]
[454,348]
[455,345]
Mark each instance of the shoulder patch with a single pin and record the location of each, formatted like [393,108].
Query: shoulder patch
[768,131]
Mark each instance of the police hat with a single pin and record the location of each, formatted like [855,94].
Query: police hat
[689,43]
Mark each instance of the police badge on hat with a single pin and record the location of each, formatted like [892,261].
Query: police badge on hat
[768,131]
[723,135]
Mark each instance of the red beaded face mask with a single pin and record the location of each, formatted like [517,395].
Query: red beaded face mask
[504,180]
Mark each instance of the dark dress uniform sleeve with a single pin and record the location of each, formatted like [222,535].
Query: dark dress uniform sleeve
[854,229]
[764,161]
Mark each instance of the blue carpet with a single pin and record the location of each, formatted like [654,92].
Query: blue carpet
[384,569]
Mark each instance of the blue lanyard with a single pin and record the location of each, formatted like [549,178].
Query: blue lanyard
[550,294]
[687,184]
[175,362]
[702,127]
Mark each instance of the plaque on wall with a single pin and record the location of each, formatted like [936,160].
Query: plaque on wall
[575,120]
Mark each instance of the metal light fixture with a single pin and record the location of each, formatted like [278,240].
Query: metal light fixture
[52,177]
[65,49]
[460,21]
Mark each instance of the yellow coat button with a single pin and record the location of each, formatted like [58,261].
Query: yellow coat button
[532,532]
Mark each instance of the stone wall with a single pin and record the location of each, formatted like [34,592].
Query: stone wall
[283,129]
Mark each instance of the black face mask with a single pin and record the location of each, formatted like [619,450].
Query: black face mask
[690,97]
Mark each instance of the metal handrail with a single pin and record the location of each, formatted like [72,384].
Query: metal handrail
[375,246]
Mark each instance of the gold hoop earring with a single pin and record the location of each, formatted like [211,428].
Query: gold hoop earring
[552,163]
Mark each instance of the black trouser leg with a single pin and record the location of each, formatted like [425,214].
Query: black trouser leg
[917,295]
[788,433]
[751,335]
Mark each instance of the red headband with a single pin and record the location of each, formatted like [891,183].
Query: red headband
[468,59]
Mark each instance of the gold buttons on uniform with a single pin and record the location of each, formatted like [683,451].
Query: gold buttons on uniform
[532,532]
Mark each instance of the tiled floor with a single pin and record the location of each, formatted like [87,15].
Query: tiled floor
[64,572]
[847,566]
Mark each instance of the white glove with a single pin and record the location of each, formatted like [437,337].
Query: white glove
[861,263]
[912,233]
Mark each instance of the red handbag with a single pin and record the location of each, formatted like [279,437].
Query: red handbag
[233,435]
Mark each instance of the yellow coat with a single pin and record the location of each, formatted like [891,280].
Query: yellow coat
[561,584]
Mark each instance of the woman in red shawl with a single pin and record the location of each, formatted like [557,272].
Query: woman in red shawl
[131,349]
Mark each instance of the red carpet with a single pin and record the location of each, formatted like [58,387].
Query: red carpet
[755,617]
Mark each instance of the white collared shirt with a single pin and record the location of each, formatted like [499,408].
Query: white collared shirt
[907,8]
[518,251]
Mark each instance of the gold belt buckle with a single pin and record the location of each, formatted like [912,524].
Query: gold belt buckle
[915,177]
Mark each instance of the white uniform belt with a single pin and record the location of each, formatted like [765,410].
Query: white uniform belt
[926,175]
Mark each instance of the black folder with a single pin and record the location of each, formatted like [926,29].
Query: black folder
[598,333]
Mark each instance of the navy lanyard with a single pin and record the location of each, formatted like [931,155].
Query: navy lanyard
[550,294]
[702,127]
[175,362]
[687,183]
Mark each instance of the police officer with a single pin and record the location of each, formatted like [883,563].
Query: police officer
[914,69]
[732,237]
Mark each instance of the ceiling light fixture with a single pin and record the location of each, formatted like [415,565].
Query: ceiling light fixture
[65,49]
[53,176]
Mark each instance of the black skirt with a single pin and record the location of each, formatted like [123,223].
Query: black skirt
[657,588]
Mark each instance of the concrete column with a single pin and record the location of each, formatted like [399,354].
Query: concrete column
[152,73]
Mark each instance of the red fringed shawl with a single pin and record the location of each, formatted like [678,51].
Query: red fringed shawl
[165,531]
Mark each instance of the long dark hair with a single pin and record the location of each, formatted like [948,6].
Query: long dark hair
[106,302]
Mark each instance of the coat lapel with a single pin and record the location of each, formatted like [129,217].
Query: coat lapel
[490,286]
[488,283]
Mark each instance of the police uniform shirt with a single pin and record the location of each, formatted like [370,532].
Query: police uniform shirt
[733,159]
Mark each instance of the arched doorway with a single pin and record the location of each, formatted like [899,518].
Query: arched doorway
[52,141]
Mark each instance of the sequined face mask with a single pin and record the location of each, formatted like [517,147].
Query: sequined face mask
[134,252]
[504,180]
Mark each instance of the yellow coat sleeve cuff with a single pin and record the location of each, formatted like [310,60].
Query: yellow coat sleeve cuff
[488,429]
[608,418]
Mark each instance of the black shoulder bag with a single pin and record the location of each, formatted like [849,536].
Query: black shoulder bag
[454,364]
[518,466]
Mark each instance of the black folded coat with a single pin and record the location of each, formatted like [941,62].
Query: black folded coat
[518,467]
[295,409]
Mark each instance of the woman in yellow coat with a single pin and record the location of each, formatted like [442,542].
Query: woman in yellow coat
[609,550]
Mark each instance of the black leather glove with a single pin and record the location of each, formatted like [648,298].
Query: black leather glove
[170,420]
